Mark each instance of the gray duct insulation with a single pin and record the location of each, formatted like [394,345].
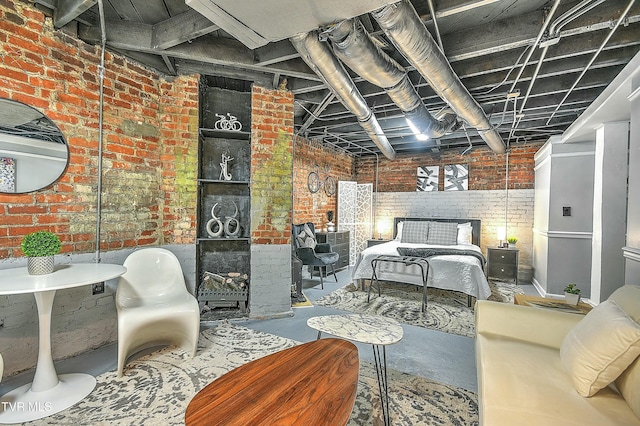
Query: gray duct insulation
[323,62]
[353,45]
[403,27]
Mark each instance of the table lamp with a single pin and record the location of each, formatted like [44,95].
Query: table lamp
[383,227]
[502,235]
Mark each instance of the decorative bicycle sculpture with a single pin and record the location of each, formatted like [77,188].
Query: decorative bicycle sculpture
[228,122]
[315,183]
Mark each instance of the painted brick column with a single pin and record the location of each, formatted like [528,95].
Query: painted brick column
[271,202]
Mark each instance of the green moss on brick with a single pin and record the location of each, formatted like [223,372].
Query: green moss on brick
[272,186]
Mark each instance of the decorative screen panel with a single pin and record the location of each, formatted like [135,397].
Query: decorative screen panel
[355,212]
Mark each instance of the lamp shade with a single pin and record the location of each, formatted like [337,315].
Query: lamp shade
[502,233]
[383,226]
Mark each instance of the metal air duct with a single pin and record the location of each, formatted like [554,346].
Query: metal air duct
[321,60]
[405,30]
[353,45]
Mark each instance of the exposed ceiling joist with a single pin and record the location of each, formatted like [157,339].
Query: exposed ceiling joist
[68,10]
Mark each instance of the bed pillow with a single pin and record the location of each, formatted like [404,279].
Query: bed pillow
[465,233]
[600,347]
[442,233]
[399,231]
[415,232]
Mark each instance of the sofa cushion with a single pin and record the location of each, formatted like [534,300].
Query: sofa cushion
[628,298]
[524,384]
[600,347]
[628,386]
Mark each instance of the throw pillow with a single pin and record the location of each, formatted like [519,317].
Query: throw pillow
[306,238]
[465,233]
[600,347]
[443,233]
[415,232]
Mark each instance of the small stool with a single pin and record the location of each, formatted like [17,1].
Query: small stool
[421,262]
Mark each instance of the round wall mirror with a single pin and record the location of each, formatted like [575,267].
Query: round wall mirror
[33,150]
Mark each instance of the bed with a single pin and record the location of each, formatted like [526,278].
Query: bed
[461,269]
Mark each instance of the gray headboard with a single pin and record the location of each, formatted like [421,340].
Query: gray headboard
[476,225]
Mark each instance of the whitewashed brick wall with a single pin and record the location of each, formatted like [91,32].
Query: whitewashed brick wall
[270,288]
[488,206]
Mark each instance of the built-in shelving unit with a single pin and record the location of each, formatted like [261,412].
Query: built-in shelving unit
[225,189]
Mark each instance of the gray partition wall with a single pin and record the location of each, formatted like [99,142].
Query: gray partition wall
[563,220]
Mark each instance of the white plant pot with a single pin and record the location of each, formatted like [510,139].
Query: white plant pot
[572,299]
[40,265]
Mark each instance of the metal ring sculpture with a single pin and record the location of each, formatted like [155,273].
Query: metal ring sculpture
[313,182]
[330,186]
[214,232]
[231,224]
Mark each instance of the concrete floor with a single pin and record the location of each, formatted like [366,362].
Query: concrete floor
[439,356]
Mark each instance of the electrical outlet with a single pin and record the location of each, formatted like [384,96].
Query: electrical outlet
[566,211]
[98,288]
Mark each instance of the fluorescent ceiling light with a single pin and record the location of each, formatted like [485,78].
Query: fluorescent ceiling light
[420,136]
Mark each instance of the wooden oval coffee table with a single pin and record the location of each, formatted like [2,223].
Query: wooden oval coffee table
[310,384]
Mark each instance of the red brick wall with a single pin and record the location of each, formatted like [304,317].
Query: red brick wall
[486,169]
[271,163]
[149,142]
[313,156]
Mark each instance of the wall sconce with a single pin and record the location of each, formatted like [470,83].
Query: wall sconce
[502,235]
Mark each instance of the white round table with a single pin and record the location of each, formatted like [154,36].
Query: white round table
[375,330]
[49,392]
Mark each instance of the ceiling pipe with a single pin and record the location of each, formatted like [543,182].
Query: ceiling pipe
[353,45]
[553,38]
[432,12]
[321,60]
[407,32]
[593,58]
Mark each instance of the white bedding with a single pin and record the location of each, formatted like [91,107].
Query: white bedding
[450,272]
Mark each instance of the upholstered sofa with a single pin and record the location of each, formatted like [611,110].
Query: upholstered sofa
[535,365]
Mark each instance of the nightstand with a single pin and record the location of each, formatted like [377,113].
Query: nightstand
[371,243]
[502,263]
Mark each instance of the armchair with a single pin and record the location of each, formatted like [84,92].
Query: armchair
[312,253]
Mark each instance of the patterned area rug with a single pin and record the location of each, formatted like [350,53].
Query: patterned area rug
[157,388]
[446,310]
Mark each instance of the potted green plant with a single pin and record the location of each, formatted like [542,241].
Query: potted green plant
[512,241]
[572,294]
[40,247]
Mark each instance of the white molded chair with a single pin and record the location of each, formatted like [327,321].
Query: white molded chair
[154,306]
